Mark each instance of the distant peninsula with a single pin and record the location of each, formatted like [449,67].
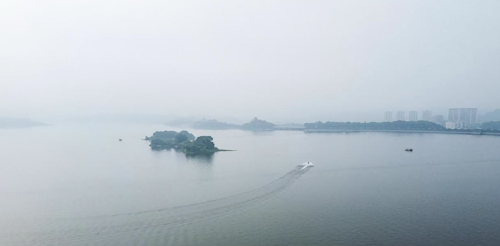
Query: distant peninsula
[18,122]
[182,141]
[214,125]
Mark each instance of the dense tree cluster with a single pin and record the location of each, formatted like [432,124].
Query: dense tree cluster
[202,144]
[182,141]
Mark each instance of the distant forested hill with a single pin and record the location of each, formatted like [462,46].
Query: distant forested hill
[257,124]
[214,125]
[490,116]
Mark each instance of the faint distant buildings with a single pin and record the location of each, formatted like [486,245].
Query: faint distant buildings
[413,116]
[438,119]
[388,116]
[427,115]
[401,115]
[453,114]
[469,116]
[460,118]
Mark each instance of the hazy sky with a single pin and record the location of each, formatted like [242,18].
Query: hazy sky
[279,60]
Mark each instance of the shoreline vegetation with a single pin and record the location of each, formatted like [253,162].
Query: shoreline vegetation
[394,127]
[183,142]
[455,131]
[487,128]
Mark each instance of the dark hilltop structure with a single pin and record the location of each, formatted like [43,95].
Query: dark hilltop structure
[257,124]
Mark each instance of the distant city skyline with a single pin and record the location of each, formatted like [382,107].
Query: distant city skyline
[457,118]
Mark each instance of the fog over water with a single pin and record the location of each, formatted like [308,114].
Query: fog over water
[279,60]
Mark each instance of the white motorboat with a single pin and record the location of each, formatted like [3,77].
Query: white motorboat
[306,165]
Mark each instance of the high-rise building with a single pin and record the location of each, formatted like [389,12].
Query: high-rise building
[401,115]
[454,114]
[427,115]
[388,116]
[468,116]
[413,116]
[463,117]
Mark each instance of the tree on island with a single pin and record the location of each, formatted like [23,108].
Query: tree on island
[202,144]
[182,141]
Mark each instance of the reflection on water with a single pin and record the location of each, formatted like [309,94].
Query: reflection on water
[364,189]
[201,158]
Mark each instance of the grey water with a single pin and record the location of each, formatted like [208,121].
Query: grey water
[78,185]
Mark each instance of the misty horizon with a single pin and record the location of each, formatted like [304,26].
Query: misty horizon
[280,61]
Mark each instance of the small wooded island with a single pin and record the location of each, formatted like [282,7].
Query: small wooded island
[182,141]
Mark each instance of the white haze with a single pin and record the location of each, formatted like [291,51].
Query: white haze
[278,60]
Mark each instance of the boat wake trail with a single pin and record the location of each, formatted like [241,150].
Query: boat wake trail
[99,229]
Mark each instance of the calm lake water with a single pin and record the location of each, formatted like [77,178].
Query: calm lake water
[78,185]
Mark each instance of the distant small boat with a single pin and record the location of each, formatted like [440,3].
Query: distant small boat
[120,139]
[409,150]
